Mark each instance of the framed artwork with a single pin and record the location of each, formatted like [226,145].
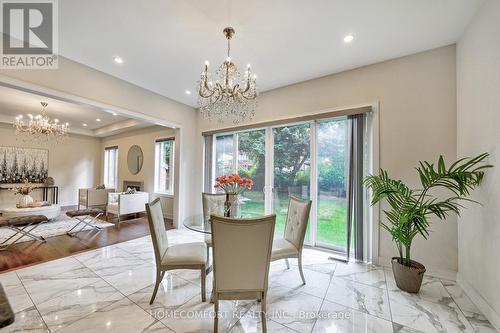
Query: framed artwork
[20,164]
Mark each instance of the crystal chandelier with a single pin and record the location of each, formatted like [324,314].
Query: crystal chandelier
[227,97]
[40,127]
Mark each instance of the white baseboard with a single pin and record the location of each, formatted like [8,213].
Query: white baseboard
[446,274]
[480,302]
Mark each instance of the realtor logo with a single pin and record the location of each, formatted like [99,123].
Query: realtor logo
[29,39]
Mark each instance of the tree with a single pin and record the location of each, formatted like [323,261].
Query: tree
[291,153]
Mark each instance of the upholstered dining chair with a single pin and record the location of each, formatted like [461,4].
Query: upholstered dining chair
[241,253]
[291,245]
[213,204]
[180,256]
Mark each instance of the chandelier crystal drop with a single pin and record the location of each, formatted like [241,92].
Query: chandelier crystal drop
[225,97]
[40,128]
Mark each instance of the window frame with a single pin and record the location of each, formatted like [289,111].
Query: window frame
[157,169]
[106,169]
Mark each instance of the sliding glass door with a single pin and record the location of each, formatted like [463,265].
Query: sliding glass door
[252,164]
[291,168]
[308,160]
[332,173]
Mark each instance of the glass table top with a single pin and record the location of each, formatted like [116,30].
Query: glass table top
[199,223]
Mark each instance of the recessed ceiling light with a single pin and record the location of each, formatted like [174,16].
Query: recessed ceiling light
[114,114]
[188,92]
[118,60]
[98,120]
[348,38]
[84,125]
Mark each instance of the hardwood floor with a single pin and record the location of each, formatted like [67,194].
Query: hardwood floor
[34,252]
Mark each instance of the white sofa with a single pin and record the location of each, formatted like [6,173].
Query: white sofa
[123,204]
[91,197]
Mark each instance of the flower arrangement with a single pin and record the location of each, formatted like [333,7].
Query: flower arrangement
[24,189]
[233,184]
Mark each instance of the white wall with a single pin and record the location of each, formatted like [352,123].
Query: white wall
[73,164]
[144,138]
[74,80]
[478,92]
[417,96]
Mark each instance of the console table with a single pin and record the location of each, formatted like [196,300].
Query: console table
[51,192]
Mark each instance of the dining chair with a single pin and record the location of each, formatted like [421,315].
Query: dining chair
[291,245]
[213,204]
[179,256]
[241,254]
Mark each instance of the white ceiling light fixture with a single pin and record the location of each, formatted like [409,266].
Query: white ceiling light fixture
[40,128]
[188,92]
[227,97]
[84,125]
[98,120]
[118,60]
[114,114]
[348,39]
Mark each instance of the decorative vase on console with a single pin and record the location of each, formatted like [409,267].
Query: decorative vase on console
[24,191]
[232,185]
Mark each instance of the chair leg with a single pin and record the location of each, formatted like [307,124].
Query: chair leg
[263,316]
[300,269]
[159,278]
[203,273]
[287,263]
[216,317]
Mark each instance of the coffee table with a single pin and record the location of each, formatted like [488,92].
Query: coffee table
[51,212]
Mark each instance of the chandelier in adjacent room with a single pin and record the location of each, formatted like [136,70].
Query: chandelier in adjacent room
[226,97]
[40,128]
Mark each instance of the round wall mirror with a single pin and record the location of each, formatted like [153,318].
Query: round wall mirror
[134,159]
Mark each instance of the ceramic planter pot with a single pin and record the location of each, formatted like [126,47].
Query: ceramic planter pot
[407,278]
[25,200]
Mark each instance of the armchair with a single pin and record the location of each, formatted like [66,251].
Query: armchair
[124,204]
[91,197]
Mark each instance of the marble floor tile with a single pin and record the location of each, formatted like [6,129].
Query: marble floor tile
[42,289]
[316,283]
[427,316]
[50,268]
[28,320]
[251,323]
[16,293]
[373,276]
[140,249]
[471,312]
[110,261]
[358,296]
[291,308]
[120,317]
[133,279]
[337,318]
[61,311]
[172,293]
[404,329]
[432,290]
[197,316]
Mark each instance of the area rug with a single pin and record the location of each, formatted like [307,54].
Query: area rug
[52,228]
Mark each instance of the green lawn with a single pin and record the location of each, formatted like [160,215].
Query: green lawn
[331,216]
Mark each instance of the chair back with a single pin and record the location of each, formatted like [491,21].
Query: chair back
[296,221]
[241,253]
[157,229]
[213,204]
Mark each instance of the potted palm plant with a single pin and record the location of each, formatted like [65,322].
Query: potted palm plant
[409,210]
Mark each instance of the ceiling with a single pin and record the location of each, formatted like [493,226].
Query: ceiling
[16,102]
[164,43]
